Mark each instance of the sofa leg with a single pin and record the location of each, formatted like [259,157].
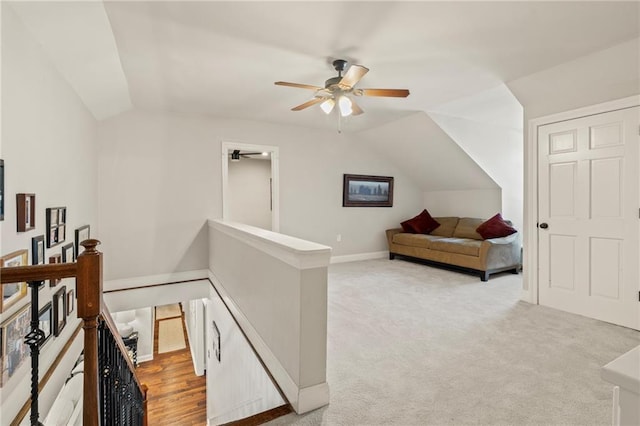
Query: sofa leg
[484,276]
[391,256]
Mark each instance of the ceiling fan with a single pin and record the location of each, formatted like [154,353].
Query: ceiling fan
[336,90]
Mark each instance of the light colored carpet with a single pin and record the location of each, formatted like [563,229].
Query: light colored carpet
[168,311]
[410,344]
[170,335]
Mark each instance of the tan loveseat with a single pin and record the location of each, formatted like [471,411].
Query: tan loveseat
[455,242]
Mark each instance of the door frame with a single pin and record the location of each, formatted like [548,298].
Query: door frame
[530,219]
[275,181]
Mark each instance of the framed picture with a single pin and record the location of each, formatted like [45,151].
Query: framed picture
[56,258]
[59,310]
[13,347]
[71,301]
[67,253]
[45,318]
[26,212]
[82,233]
[11,293]
[216,341]
[1,189]
[367,191]
[37,250]
[56,218]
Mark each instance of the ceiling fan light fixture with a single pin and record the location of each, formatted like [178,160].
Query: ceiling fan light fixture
[235,155]
[345,106]
[327,106]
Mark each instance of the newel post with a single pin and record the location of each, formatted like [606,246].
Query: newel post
[89,290]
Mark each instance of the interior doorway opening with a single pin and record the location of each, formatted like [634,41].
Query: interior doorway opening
[250,188]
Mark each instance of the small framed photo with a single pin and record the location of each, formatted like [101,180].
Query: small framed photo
[45,318]
[37,250]
[367,191]
[68,253]
[82,233]
[26,211]
[71,301]
[56,258]
[11,293]
[56,225]
[59,310]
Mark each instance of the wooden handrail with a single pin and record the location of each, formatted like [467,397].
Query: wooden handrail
[38,272]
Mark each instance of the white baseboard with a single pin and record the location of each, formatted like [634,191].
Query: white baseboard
[150,280]
[145,358]
[359,256]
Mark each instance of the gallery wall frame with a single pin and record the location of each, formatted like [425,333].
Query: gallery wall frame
[26,212]
[55,258]
[68,253]
[59,310]
[367,191]
[10,294]
[37,250]
[45,318]
[71,301]
[14,350]
[56,220]
[81,234]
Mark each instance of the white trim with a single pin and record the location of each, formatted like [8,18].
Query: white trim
[145,358]
[298,253]
[530,234]
[275,177]
[300,398]
[149,280]
[360,256]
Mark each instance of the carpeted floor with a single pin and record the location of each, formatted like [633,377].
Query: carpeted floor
[168,311]
[410,344]
[170,335]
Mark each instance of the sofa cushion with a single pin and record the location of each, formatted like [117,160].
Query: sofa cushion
[496,227]
[447,226]
[466,228]
[421,224]
[414,240]
[457,245]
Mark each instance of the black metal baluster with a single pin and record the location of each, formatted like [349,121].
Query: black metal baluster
[34,339]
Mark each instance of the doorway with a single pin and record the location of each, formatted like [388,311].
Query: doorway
[250,185]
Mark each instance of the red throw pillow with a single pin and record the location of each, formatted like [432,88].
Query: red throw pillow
[421,224]
[495,227]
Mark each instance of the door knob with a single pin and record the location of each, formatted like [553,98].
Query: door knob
[544,225]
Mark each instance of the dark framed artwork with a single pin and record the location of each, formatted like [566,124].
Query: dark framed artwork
[56,218]
[26,212]
[1,189]
[367,191]
[56,258]
[71,301]
[13,347]
[68,253]
[45,318]
[82,233]
[12,293]
[37,250]
[59,310]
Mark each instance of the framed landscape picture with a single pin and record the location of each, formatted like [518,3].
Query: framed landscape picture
[13,347]
[11,293]
[367,191]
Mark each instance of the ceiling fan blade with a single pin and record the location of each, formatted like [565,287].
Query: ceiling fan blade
[355,108]
[308,104]
[392,93]
[301,86]
[353,75]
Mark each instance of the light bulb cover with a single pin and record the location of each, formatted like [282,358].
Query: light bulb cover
[345,105]
[327,106]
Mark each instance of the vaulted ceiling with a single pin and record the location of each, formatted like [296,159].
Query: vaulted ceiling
[222,58]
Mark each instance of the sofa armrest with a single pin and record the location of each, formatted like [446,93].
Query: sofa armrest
[509,239]
[503,252]
[390,233]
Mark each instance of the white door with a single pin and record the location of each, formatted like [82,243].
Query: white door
[588,215]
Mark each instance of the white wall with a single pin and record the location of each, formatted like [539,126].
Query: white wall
[144,324]
[48,144]
[160,179]
[481,203]
[194,316]
[250,192]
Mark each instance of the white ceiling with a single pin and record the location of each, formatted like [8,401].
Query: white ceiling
[222,58]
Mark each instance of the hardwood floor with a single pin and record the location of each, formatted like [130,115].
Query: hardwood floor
[176,395]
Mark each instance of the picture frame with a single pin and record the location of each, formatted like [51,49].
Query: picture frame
[37,250]
[55,258]
[71,301]
[14,350]
[56,218]
[68,253]
[10,294]
[216,341]
[26,212]
[1,189]
[45,318]
[81,234]
[59,310]
[367,191]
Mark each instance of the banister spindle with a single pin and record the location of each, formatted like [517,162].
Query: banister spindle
[89,290]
